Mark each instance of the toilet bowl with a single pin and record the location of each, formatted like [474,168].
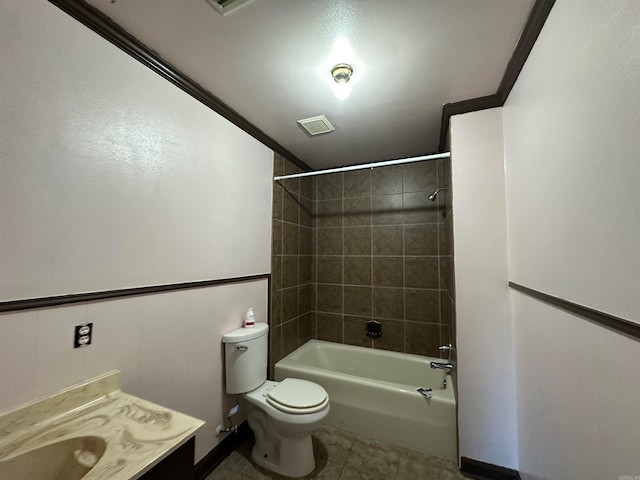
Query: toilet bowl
[281,415]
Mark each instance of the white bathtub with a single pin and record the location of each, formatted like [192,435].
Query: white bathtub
[373,393]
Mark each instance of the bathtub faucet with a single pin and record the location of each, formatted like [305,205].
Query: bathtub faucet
[443,366]
[450,365]
[451,352]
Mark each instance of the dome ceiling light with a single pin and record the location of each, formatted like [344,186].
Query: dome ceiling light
[342,72]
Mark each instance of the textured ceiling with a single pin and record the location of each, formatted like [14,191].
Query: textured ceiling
[270,61]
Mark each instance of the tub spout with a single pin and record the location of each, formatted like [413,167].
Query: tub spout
[442,366]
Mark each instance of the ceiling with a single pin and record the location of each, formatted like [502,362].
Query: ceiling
[270,61]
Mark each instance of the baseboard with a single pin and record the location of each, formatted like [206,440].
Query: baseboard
[221,451]
[486,471]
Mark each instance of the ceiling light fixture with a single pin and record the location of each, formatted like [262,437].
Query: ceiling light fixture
[342,72]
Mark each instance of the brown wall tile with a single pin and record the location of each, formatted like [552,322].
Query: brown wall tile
[291,207]
[329,241]
[289,337]
[393,336]
[386,209]
[357,270]
[306,327]
[445,308]
[289,271]
[306,212]
[289,303]
[417,208]
[275,348]
[357,183]
[304,299]
[357,241]
[419,177]
[421,239]
[421,272]
[422,305]
[422,338]
[357,211]
[306,187]
[387,271]
[276,237]
[357,301]
[388,303]
[305,269]
[387,180]
[305,238]
[278,201]
[355,329]
[390,235]
[276,307]
[276,272]
[329,213]
[387,240]
[329,186]
[290,241]
[329,298]
[329,327]
[329,269]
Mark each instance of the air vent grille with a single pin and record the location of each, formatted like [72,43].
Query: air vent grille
[316,125]
[225,7]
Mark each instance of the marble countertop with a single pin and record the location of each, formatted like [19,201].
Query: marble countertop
[138,433]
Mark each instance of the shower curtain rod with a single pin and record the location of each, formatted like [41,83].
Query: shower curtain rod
[366,165]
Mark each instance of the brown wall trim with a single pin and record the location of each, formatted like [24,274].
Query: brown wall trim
[111,31]
[486,471]
[617,324]
[221,451]
[45,302]
[535,22]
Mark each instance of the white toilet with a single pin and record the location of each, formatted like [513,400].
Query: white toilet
[283,414]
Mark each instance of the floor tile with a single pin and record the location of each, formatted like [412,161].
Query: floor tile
[342,455]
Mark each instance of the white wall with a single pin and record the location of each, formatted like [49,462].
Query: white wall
[572,140]
[167,346]
[110,177]
[486,383]
[572,143]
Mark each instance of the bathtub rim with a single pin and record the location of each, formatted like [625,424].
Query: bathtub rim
[446,394]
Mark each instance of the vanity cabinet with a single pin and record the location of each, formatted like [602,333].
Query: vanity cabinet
[177,466]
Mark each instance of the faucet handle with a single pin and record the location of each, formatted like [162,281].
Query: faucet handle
[451,351]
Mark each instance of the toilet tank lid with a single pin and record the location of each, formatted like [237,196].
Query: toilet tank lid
[245,334]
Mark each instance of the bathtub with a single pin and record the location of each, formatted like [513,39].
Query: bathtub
[373,393]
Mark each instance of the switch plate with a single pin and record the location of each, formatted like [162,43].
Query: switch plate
[82,336]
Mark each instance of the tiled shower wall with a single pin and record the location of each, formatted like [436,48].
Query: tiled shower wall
[364,245]
[292,317]
[382,253]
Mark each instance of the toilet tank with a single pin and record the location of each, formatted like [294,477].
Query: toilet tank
[245,358]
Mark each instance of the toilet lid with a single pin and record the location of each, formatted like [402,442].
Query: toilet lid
[293,395]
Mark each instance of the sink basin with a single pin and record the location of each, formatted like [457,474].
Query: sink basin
[69,459]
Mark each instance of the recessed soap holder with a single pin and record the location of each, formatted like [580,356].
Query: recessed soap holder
[374,329]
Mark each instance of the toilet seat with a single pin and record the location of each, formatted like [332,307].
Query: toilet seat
[296,396]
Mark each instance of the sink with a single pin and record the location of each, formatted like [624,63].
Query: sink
[69,459]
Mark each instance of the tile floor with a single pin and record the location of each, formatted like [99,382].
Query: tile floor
[342,455]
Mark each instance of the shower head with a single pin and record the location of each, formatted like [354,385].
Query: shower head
[433,196]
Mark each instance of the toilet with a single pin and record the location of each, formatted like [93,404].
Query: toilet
[282,414]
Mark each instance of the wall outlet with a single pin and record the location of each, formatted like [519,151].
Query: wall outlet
[82,337]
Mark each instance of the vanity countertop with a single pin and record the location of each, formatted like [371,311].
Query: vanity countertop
[138,433]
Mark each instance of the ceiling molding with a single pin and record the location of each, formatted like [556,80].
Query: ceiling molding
[112,32]
[533,27]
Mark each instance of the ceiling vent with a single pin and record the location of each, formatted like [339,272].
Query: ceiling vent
[316,125]
[225,7]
